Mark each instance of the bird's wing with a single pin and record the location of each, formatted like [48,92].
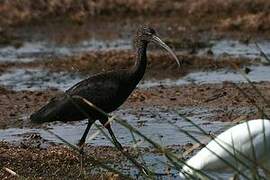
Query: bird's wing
[98,89]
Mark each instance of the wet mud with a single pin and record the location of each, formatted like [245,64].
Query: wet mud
[223,96]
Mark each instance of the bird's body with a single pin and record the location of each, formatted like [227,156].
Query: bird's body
[240,146]
[107,90]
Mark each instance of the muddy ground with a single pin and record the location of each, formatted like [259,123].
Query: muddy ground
[209,95]
[58,161]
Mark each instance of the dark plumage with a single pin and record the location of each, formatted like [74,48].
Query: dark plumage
[105,90]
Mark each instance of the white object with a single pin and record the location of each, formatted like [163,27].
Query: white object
[233,145]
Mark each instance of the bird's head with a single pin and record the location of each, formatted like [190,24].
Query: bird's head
[148,34]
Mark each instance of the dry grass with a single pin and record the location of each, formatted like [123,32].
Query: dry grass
[226,15]
[55,162]
[19,11]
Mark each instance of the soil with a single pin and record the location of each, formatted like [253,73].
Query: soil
[223,96]
[57,161]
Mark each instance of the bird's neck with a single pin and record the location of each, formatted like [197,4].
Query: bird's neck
[139,67]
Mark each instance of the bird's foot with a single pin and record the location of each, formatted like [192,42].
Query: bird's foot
[81,143]
[82,170]
[81,147]
[81,150]
[119,146]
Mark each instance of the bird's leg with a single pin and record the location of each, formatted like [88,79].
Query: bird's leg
[119,146]
[82,140]
[107,125]
[117,143]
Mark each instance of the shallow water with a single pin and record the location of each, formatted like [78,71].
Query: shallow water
[43,48]
[31,51]
[37,79]
[158,123]
[41,79]
[153,122]
[257,74]
[234,48]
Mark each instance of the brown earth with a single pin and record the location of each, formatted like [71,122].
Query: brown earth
[56,162]
[17,106]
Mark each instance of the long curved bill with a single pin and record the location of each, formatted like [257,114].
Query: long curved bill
[159,42]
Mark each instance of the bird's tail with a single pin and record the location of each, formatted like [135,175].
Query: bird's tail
[45,114]
[53,111]
[58,109]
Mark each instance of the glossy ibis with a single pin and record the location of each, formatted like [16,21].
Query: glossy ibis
[239,148]
[105,90]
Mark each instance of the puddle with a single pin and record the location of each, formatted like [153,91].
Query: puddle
[41,79]
[45,48]
[31,51]
[162,167]
[37,79]
[152,122]
[238,49]
[257,74]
